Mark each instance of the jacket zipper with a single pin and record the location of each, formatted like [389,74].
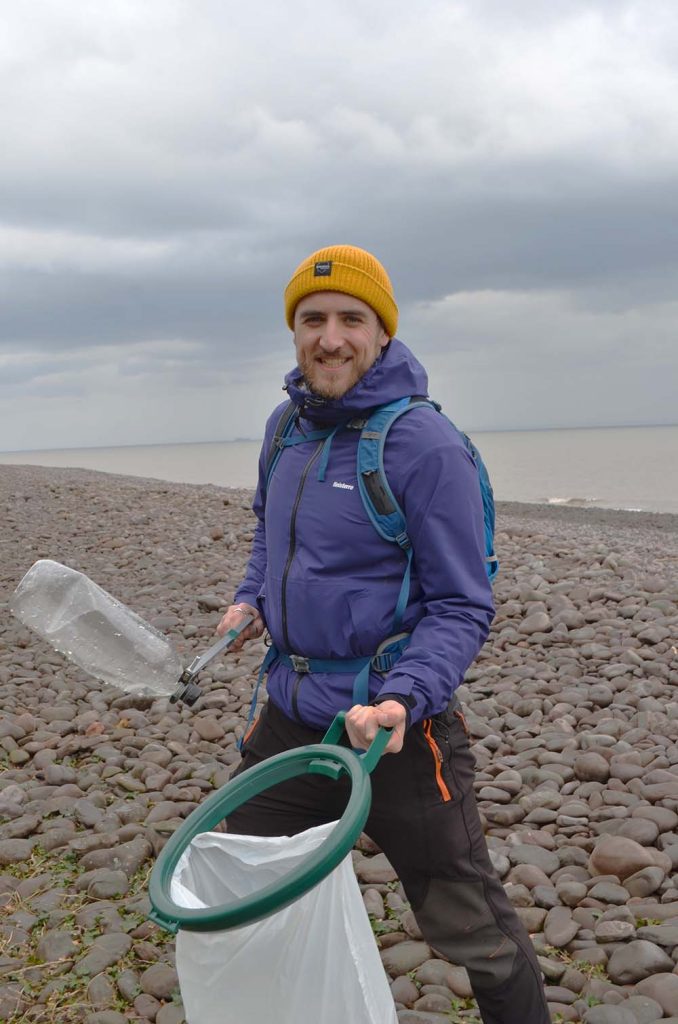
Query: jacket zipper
[293,542]
[438,760]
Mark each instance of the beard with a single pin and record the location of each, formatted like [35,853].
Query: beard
[327,388]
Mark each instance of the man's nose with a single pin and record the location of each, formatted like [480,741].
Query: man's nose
[331,338]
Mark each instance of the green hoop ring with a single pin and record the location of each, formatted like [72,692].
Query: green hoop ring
[324,758]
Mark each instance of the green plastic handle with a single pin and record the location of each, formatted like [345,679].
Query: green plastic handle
[326,758]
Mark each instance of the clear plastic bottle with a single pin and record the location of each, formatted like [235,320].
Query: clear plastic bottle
[95,631]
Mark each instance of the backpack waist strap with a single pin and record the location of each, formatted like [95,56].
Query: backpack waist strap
[385,658]
[380,662]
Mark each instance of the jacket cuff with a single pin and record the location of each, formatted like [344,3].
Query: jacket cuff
[406,701]
[244,596]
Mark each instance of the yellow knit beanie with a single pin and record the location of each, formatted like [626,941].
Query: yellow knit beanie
[344,268]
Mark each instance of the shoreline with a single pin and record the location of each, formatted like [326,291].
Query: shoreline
[598,515]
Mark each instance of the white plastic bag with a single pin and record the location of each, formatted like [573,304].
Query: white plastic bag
[316,960]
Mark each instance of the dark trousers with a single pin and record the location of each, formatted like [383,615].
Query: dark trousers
[425,819]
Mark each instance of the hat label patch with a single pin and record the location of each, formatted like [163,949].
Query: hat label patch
[322,269]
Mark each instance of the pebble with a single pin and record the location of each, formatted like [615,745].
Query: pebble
[637,960]
[405,957]
[609,1015]
[662,987]
[104,952]
[619,856]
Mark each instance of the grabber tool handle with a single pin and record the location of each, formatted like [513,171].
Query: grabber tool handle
[188,691]
[222,644]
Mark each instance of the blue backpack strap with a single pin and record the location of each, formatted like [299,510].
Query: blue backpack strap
[271,656]
[381,504]
[487,494]
[283,429]
[379,500]
[282,438]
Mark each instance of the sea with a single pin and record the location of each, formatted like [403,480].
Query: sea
[633,468]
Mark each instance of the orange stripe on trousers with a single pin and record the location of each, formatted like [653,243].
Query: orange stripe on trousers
[438,759]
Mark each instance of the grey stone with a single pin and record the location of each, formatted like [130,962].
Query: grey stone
[105,951]
[146,1006]
[159,980]
[591,767]
[434,1001]
[87,813]
[11,1001]
[636,961]
[644,882]
[560,928]
[170,1014]
[15,851]
[665,935]
[663,987]
[404,990]
[644,1009]
[127,857]
[524,853]
[375,869]
[614,931]
[608,892]
[128,985]
[618,856]
[609,1015]
[439,972]
[101,992]
[538,622]
[405,956]
[56,945]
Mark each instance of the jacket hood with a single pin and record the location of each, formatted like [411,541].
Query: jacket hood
[395,374]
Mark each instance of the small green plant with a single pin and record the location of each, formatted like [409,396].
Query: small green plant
[379,927]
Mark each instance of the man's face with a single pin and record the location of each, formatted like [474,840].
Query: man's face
[337,338]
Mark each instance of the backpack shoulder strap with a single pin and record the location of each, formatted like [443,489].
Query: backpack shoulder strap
[284,427]
[380,503]
[379,500]
[487,495]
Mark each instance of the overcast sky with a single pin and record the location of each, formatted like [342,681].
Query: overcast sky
[166,165]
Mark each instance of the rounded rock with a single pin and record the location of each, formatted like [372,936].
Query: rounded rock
[636,961]
[618,856]
[591,767]
[160,981]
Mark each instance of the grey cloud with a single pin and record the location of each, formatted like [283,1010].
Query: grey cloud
[173,166]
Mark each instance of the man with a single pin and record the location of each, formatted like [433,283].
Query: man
[325,585]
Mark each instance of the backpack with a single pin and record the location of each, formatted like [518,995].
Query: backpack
[379,501]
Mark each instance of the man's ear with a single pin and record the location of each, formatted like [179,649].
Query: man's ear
[384,340]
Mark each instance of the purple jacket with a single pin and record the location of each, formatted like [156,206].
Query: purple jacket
[327,584]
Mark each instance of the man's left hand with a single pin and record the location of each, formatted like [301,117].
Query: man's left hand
[362,724]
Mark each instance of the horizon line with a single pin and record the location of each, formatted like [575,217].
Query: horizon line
[258,440]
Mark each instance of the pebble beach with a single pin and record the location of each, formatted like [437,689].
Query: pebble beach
[572,708]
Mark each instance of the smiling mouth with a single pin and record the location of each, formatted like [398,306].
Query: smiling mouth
[333,364]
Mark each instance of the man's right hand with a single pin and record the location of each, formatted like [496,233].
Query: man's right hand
[233,620]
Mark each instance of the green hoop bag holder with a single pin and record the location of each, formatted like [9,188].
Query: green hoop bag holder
[270,925]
